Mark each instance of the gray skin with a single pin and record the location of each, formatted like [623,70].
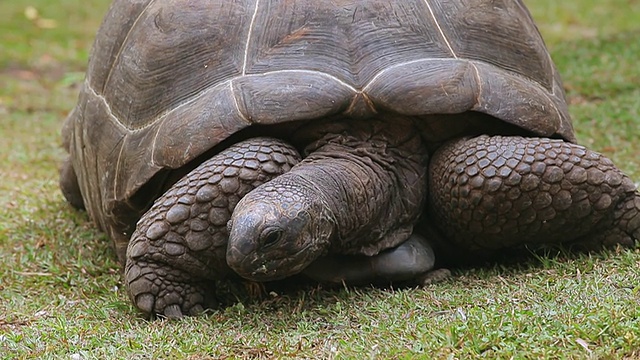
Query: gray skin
[352,142]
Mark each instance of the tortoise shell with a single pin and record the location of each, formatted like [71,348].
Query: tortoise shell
[168,80]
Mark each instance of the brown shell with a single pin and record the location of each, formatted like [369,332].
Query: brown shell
[170,79]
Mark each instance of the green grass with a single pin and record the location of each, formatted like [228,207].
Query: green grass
[61,295]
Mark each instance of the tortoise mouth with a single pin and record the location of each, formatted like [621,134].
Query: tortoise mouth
[269,266]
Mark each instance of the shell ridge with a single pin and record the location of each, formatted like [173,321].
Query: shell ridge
[249,34]
[153,145]
[116,183]
[112,117]
[235,103]
[479,81]
[444,37]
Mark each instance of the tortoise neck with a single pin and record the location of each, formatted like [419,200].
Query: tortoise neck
[374,189]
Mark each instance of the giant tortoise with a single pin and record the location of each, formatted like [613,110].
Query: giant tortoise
[343,140]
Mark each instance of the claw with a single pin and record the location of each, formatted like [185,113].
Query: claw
[173,312]
[146,302]
[196,310]
[434,276]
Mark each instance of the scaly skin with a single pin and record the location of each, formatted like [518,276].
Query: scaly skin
[178,248]
[494,192]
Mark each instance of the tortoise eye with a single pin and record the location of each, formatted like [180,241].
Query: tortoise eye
[270,237]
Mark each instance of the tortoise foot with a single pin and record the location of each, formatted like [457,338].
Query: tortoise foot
[168,292]
[433,277]
[179,246]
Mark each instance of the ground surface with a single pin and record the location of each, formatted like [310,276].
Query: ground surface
[61,295]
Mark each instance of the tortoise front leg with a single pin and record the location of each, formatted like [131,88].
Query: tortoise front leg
[178,249]
[493,192]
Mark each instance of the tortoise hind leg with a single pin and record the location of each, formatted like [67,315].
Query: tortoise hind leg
[178,249]
[69,184]
[493,192]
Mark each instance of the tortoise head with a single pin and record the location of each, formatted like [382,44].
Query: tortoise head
[277,230]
